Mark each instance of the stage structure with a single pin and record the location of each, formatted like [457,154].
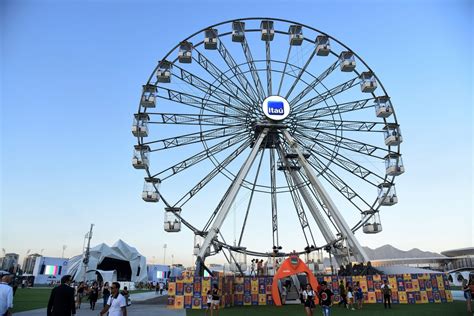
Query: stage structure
[284,112]
[120,262]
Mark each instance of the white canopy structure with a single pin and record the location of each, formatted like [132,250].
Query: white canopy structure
[120,262]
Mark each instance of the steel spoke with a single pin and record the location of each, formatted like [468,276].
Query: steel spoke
[253,70]
[211,90]
[328,94]
[195,119]
[302,70]
[314,83]
[251,198]
[342,125]
[269,68]
[284,69]
[183,200]
[196,137]
[335,109]
[339,184]
[221,77]
[196,102]
[203,155]
[344,142]
[235,69]
[345,163]
[216,210]
[299,208]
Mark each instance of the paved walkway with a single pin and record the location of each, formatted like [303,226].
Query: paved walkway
[458,295]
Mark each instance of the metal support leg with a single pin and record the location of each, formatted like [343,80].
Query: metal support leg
[357,250]
[234,189]
[318,217]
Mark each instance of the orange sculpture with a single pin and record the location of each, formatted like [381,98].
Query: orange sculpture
[292,265]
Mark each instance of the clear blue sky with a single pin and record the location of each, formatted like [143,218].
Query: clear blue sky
[71,74]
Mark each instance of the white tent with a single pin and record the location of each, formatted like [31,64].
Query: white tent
[129,265]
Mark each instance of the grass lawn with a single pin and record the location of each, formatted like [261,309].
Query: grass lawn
[445,309]
[28,299]
[33,298]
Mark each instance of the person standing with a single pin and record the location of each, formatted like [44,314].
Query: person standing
[215,300]
[116,305]
[126,294]
[467,295]
[260,267]
[284,293]
[162,286]
[252,267]
[342,293]
[387,294]
[326,298]
[350,297]
[308,298]
[359,296]
[209,301]
[61,301]
[6,295]
[105,293]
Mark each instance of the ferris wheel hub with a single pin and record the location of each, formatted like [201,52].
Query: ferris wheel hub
[276,108]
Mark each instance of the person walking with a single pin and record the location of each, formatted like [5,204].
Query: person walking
[80,294]
[215,300]
[308,298]
[116,305]
[105,293]
[325,298]
[342,293]
[61,301]
[467,295]
[93,295]
[6,295]
[387,294]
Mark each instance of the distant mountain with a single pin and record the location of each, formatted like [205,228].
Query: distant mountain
[390,252]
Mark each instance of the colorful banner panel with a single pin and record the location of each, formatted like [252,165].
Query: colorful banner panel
[191,292]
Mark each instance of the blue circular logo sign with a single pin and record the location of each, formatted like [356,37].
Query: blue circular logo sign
[276,108]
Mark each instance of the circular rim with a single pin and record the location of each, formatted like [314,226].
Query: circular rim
[364,219]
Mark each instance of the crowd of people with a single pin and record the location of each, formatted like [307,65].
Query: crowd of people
[260,267]
[357,269]
[351,297]
[95,291]
[66,298]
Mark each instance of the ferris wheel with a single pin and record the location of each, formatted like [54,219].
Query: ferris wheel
[276,118]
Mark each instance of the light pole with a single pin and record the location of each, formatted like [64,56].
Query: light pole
[172,259]
[164,254]
[64,248]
